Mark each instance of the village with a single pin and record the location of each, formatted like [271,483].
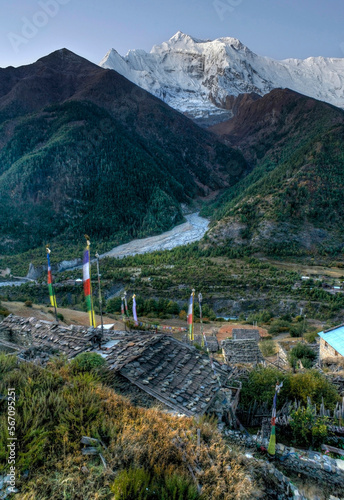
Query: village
[200,371]
[273,387]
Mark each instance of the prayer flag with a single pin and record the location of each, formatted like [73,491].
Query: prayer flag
[50,282]
[86,270]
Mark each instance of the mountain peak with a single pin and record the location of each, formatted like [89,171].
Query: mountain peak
[60,53]
[183,37]
[65,58]
[201,77]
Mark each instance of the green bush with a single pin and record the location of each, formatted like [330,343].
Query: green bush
[261,317]
[279,326]
[4,312]
[302,352]
[28,303]
[268,347]
[261,382]
[296,330]
[139,484]
[307,428]
[260,386]
[87,362]
[314,385]
[311,336]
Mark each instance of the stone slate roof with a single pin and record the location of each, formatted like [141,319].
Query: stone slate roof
[241,351]
[174,373]
[69,340]
[29,333]
[178,375]
[245,333]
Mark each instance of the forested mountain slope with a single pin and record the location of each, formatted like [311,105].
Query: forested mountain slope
[82,149]
[293,198]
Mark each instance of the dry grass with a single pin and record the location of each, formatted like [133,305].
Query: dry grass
[71,317]
[56,407]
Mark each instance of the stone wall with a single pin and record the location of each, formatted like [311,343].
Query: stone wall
[282,354]
[245,333]
[313,465]
[326,351]
[241,351]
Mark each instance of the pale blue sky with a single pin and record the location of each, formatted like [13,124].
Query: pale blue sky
[274,28]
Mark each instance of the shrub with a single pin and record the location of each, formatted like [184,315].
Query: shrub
[314,385]
[182,315]
[296,330]
[302,352]
[87,362]
[261,382]
[141,485]
[4,312]
[268,347]
[301,423]
[28,303]
[307,428]
[260,386]
[310,337]
[279,326]
[60,316]
[261,317]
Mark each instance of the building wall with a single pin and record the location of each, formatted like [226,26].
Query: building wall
[244,334]
[326,351]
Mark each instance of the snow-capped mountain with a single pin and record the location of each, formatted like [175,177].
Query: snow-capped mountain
[197,76]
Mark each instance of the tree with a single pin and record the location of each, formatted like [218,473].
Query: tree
[307,428]
[314,385]
[302,352]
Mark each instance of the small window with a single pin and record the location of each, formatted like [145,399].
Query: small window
[326,344]
[336,353]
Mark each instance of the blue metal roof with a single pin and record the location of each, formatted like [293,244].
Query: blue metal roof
[335,337]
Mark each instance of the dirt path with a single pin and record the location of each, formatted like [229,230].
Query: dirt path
[70,316]
[305,270]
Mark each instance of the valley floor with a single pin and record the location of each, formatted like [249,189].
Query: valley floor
[192,230]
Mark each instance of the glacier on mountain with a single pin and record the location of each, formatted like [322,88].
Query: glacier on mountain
[196,77]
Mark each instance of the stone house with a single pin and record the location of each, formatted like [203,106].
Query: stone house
[241,351]
[332,342]
[171,372]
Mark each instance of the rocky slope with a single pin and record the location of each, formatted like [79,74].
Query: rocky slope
[292,200]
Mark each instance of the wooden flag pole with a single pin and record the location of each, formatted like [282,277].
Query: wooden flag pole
[200,316]
[193,318]
[92,317]
[52,296]
[100,302]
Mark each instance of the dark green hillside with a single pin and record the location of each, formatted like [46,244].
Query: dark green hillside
[73,169]
[54,180]
[82,149]
[292,201]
